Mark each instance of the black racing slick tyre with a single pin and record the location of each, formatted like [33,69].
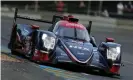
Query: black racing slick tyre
[14,52]
[32,53]
[12,42]
[29,46]
[13,47]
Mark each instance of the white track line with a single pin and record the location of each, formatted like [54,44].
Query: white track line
[127,62]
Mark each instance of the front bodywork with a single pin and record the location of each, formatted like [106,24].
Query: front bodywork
[77,51]
[97,60]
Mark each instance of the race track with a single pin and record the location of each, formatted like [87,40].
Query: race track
[26,70]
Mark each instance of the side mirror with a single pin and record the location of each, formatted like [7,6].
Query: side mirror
[93,41]
[110,40]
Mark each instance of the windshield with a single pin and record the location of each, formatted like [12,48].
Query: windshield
[74,33]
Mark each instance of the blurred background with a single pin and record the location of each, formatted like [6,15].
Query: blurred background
[102,13]
[115,9]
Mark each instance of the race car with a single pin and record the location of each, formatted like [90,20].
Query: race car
[66,41]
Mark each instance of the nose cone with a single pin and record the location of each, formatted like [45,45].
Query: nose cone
[81,50]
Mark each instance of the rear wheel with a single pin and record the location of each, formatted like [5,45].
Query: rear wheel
[13,52]
[13,42]
[13,47]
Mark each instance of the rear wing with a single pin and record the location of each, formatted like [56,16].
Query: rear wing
[54,20]
[55,17]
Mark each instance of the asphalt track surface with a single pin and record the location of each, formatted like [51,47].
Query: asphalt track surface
[26,70]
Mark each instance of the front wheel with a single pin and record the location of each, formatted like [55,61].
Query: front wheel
[33,57]
[32,54]
[28,48]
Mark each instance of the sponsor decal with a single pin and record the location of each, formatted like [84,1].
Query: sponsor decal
[80,53]
[63,54]
[78,47]
[75,25]
[25,31]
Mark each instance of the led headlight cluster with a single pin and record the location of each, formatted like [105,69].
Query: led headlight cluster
[48,42]
[112,53]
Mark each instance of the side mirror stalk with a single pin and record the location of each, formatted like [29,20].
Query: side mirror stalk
[89,27]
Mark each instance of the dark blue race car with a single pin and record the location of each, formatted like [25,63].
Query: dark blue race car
[66,41]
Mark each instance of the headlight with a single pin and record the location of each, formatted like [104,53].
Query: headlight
[112,53]
[48,42]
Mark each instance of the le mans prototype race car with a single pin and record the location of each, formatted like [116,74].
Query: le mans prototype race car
[66,41]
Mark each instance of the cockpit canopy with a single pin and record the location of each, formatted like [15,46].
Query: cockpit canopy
[71,30]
